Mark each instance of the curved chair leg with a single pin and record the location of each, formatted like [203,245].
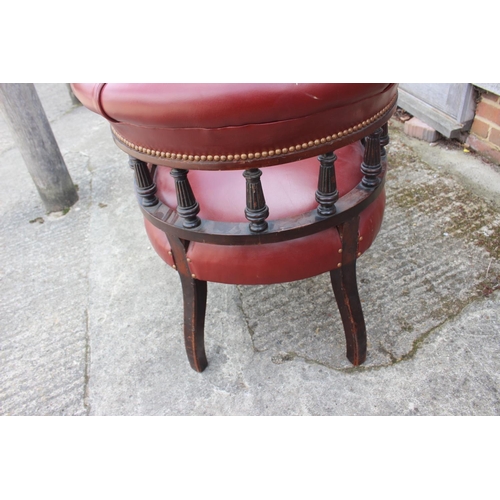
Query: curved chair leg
[194,293]
[195,299]
[345,288]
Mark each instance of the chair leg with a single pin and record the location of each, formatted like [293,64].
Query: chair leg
[195,299]
[345,288]
[194,294]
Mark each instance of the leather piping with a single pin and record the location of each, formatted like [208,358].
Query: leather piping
[97,101]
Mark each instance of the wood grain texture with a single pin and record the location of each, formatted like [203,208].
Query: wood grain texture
[30,127]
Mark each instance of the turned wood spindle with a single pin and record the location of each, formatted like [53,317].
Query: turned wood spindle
[384,140]
[256,211]
[327,193]
[145,187]
[187,206]
[371,166]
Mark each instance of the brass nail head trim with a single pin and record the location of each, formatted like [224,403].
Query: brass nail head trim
[262,154]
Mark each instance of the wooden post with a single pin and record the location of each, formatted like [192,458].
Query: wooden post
[327,193]
[256,211]
[30,127]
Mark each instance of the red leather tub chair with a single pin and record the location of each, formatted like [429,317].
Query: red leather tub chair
[315,207]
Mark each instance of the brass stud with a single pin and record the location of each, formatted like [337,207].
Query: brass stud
[169,252]
[188,259]
[340,250]
[264,154]
[339,265]
[360,238]
[193,276]
[359,254]
[216,158]
[174,266]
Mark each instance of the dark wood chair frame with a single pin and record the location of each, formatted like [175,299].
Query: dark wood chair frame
[183,226]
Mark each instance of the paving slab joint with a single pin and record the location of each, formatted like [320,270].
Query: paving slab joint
[251,331]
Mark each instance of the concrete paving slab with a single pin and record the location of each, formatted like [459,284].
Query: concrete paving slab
[91,318]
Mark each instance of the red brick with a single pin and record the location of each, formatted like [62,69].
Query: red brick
[489,111]
[491,97]
[485,148]
[420,130]
[495,136]
[480,128]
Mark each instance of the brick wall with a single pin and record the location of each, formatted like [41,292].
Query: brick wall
[485,131]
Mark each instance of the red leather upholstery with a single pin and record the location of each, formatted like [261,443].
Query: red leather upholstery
[203,123]
[200,123]
[289,191]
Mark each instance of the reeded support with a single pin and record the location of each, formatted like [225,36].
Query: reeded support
[372,166]
[256,211]
[345,287]
[145,186]
[327,193]
[384,140]
[187,206]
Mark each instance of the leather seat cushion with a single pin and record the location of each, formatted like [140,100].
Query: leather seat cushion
[289,191]
[232,119]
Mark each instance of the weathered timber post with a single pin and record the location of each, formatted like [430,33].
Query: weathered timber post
[30,127]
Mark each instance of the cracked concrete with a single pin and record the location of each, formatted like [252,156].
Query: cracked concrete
[91,318]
